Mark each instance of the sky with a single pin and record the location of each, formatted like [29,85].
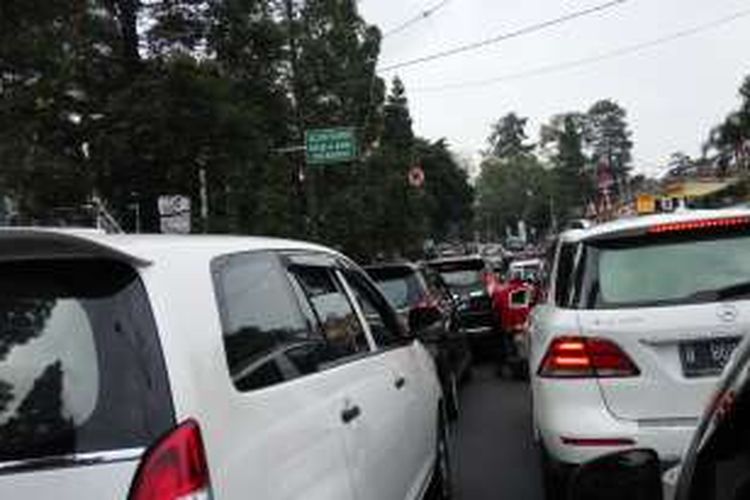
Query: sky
[674,93]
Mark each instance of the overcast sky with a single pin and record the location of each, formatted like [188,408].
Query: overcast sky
[673,93]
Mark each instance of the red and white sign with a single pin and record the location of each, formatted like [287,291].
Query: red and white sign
[416,176]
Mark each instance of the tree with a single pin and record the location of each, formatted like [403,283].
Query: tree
[508,137]
[397,123]
[573,186]
[510,190]
[608,137]
[448,196]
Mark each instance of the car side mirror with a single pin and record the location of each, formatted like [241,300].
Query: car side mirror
[421,318]
[626,475]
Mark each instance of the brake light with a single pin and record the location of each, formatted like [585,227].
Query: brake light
[174,468]
[570,441]
[723,222]
[581,357]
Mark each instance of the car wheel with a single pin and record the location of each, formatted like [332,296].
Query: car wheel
[452,397]
[555,478]
[442,478]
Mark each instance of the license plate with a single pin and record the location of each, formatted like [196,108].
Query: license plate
[706,357]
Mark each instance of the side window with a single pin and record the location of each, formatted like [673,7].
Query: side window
[343,332]
[259,315]
[563,274]
[377,312]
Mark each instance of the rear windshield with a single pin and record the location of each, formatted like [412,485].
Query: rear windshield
[80,364]
[666,271]
[401,285]
[461,274]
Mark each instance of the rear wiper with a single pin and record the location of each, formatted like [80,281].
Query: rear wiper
[727,292]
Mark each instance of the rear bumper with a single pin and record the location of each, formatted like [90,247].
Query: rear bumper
[574,410]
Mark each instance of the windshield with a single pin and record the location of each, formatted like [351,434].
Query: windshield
[668,272]
[402,287]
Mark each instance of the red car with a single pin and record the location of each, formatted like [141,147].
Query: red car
[513,301]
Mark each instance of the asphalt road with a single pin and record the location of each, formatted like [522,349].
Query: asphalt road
[494,455]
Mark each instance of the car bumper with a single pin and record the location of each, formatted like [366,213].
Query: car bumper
[572,411]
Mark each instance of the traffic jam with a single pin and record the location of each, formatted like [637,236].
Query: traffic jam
[374,250]
[620,329]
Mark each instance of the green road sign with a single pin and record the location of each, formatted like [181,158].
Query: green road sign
[330,145]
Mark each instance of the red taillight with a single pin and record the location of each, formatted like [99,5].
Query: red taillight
[581,357]
[699,224]
[174,468]
[570,441]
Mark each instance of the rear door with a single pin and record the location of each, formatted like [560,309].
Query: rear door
[677,305]
[83,388]
[283,435]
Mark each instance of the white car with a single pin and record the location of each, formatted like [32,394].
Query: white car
[156,367]
[640,318]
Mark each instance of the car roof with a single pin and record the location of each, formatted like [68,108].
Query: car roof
[526,262]
[626,225]
[144,249]
[392,265]
[461,258]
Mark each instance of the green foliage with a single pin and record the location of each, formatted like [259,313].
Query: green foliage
[609,138]
[130,100]
[508,137]
[510,190]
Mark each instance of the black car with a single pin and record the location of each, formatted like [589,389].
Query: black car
[467,278]
[425,304]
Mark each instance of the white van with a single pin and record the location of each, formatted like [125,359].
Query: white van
[155,367]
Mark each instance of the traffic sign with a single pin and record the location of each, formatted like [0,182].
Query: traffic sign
[174,212]
[330,145]
[416,176]
[645,204]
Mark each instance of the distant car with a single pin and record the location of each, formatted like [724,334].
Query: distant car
[641,316]
[425,304]
[528,270]
[715,466]
[175,367]
[470,280]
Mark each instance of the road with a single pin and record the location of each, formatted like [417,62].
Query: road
[494,456]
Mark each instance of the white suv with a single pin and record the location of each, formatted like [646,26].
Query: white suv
[641,316]
[154,367]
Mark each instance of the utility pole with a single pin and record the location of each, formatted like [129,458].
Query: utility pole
[204,198]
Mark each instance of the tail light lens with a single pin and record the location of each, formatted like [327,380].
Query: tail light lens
[174,468]
[581,357]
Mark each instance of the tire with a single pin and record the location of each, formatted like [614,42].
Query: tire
[452,397]
[441,487]
[554,476]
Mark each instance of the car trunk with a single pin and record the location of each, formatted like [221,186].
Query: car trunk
[667,387]
[675,299]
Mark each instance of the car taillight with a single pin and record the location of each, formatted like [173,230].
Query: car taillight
[716,223]
[174,468]
[582,357]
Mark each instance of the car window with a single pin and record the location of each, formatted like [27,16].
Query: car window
[563,274]
[461,274]
[259,315]
[377,313]
[81,368]
[665,271]
[335,314]
[401,285]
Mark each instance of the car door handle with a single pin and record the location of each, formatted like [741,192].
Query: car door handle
[351,413]
[399,383]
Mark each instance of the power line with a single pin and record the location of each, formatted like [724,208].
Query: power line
[622,51]
[505,36]
[416,19]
